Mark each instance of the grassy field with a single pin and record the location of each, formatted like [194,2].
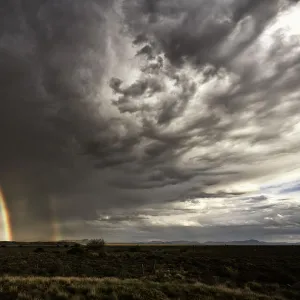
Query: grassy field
[89,288]
[150,272]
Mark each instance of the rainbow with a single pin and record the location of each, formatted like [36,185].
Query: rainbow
[56,230]
[5,225]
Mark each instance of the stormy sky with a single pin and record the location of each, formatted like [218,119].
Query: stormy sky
[146,120]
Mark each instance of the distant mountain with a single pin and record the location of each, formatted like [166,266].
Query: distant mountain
[250,242]
[168,243]
[246,242]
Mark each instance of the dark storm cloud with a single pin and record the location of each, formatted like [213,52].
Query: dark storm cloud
[198,32]
[50,62]
[201,26]
[230,104]
[78,130]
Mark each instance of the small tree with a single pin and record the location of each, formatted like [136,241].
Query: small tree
[96,244]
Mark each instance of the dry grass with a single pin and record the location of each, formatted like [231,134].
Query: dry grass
[34,288]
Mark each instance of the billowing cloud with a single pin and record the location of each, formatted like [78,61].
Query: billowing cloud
[110,108]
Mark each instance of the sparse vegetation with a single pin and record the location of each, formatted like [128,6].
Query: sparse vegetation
[158,272]
[87,288]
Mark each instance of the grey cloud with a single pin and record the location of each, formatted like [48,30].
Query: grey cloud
[196,29]
[256,199]
[224,233]
[269,223]
[47,77]
[193,233]
[77,128]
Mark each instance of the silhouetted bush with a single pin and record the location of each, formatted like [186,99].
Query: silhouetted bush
[75,250]
[96,244]
[39,250]
[136,248]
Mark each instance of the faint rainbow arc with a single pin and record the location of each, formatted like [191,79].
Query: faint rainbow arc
[5,219]
[56,230]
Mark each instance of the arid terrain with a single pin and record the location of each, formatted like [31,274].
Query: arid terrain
[65,271]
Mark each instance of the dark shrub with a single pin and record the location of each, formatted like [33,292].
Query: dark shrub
[96,244]
[39,250]
[136,248]
[75,250]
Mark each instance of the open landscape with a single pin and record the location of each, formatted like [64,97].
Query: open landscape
[149,149]
[73,271]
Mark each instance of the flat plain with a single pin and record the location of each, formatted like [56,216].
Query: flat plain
[64,271]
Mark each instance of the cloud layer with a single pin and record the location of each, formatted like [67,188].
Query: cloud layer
[117,115]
